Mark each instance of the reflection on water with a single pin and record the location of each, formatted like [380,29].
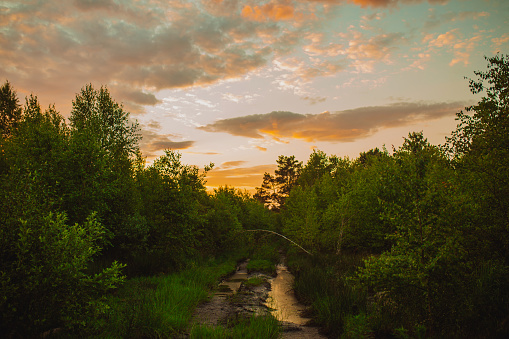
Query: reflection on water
[282,299]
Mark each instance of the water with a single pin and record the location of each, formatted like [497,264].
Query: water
[282,300]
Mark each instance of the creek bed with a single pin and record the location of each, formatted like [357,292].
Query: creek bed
[233,299]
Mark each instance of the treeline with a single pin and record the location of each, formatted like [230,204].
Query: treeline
[80,210]
[431,222]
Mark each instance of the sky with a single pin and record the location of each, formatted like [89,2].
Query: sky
[240,82]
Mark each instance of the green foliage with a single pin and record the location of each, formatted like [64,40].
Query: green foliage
[480,151]
[254,281]
[157,306]
[223,218]
[261,266]
[171,210]
[256,327]
[44,275]
[96,114]
[10,110]
[322,283]
[98,174]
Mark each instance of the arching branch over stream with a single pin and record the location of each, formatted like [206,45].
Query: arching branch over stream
[282,236]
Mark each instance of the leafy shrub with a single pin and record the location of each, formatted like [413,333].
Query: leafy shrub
[44,279]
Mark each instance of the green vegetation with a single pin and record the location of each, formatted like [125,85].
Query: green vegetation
[81,213]
[263,266]
[430,222]
[411,242]
[254,281]
[157,306]
[253,328]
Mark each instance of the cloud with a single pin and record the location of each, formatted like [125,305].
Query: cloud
[54,48]
[203,153]
[499,42]
[435,20]
[378,3]
[454,42]
[230,164]
[445,39]
[340,126]
[314,100]
[240,177]
[269,11]
[153,142]
[253,126]
[366,51]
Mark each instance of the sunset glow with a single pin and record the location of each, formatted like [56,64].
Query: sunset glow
[240,82]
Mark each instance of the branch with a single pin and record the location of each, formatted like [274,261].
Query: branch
[282,236]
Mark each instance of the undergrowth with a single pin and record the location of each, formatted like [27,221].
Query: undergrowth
[157,306]
[320,282]
[256,327]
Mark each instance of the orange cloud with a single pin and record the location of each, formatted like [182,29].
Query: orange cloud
[374,3]
[445,39]
[340,126]
[377,3]
[271,11]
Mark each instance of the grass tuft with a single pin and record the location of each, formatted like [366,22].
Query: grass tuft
[264,266]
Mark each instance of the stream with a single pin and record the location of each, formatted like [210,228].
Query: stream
[233,300]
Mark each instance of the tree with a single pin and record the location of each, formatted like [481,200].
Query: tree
[10,110]
[268,192]
[45,261]
[103,143]
[96,113]
[418,275]
[480,150]
[317,166]
[275,189]
[172,204]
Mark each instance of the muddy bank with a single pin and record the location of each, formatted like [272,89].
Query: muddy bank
[246,294]
[234,299]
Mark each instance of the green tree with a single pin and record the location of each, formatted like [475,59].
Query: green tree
[44,260]
[416,281]
[480,150]
[10,110]
[312,213]
[172,203]
[95,113]
[318,165]
[99,177]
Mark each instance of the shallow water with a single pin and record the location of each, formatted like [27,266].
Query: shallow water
[282,300]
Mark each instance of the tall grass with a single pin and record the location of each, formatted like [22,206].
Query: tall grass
[256,327]
[321,283]
[158,306]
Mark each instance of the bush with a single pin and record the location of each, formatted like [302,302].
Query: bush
[44,279]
